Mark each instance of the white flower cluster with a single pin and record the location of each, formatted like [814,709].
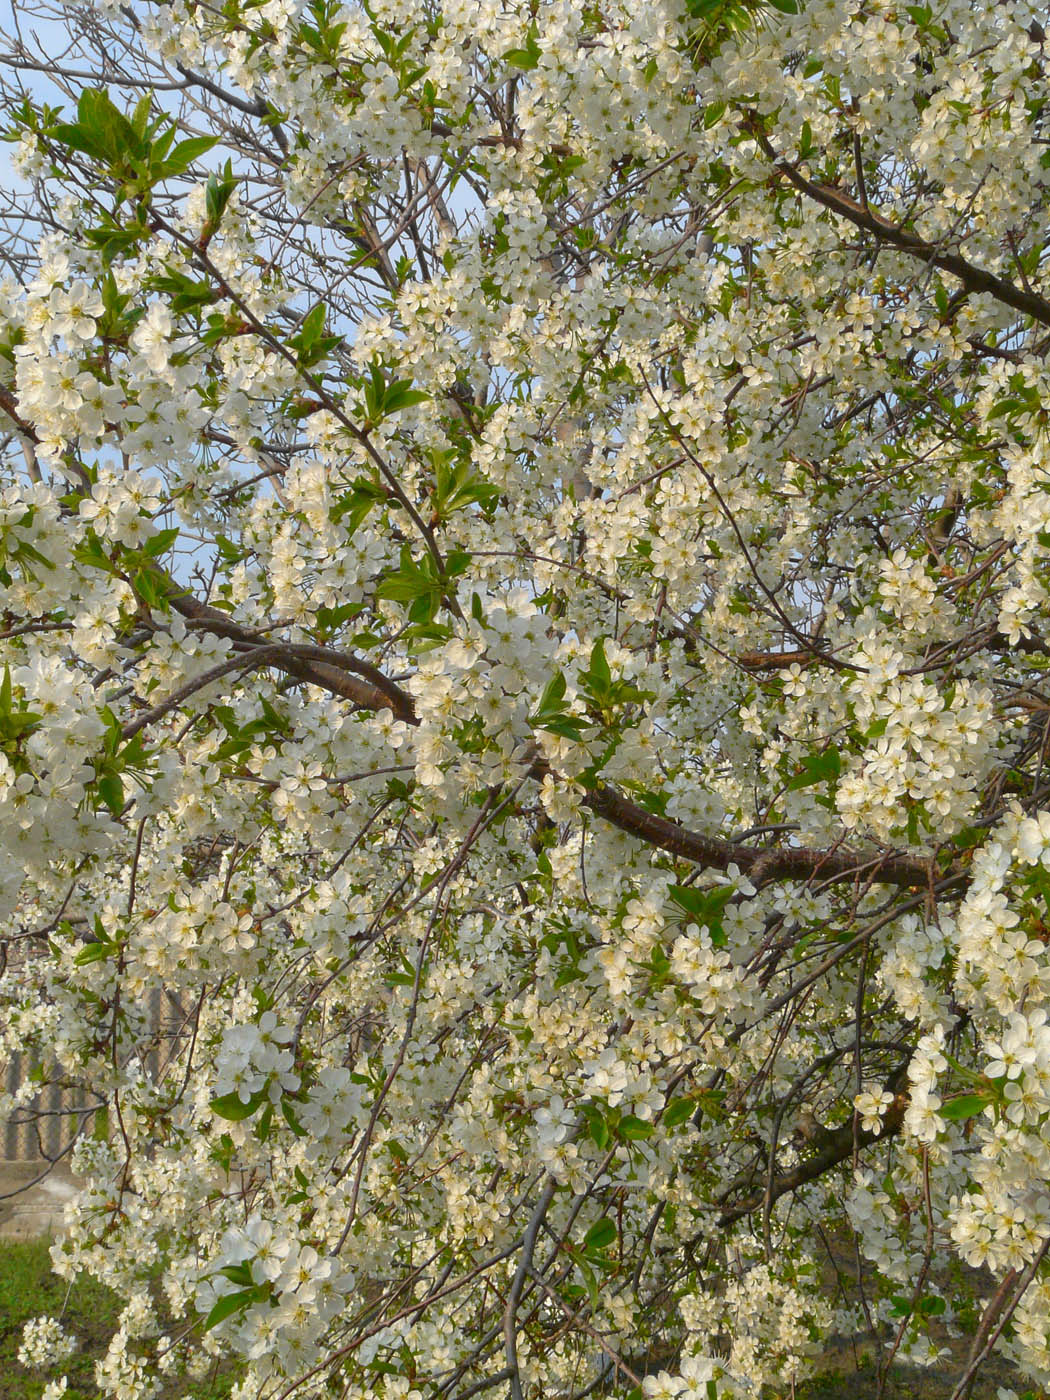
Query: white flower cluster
[252,1058]
[45,1342]
[871,1105]
[701,1378]
[767,1324]
[302,1291]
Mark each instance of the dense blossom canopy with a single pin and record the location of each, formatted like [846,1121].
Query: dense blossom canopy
[525,590]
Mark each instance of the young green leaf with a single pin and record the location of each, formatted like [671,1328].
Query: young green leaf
[233,1108]
[964,1106]
[601,1234]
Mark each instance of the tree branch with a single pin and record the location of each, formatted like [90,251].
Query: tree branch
[510,1314]
[835,1145]
[974,279]
[761,864]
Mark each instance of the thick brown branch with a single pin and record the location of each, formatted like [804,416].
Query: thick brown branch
[334,671]
[774,660]
[835,1145]
[761,864]
[974,279]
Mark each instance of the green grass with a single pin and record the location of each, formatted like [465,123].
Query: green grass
[28,1289]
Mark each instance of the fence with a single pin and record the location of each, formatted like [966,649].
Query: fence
[43,1129]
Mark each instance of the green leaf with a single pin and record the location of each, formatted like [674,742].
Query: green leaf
[415,583]
[964,1106]
[932,1306]
[553,694]
[677,1111]
[228,1304]
[161,542]
[562,725]
[705,908]
[111,790]
[74,135]
[95,952]
[526,58]
[184,293]
[401,395]
[151,589]
[632,1128]
[140,116]
[291,1118]
[601,1234]
[24,722]
[103,125]
[160,148]
[217,196]
[185,153]
[232,1107]
[587,1274]
[597,1126]
[353,506]
[331,619]
[597,679]
[311,327]
[456,487]
[818,768]
[223,1152]
[14,724]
